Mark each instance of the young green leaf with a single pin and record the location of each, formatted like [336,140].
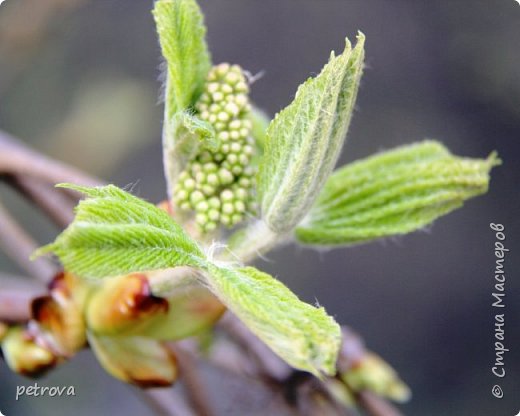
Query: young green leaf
[395,192]
[186,134]
[304,336]
[180,25]
[304,140]
[116,233]
[260,122]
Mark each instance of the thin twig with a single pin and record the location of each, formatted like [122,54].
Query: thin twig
[375,405]
[195,389]
[268,365]
[314,399]
[18,159]
[164,402]
[352,350]
[50,200]
[19,246]
[224,357]
[16,294]
[15,305]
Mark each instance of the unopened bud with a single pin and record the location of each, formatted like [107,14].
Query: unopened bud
[136,360]
[374,374]
[124,305]
[24,356]
[3,330]
[191,311]
[60,324]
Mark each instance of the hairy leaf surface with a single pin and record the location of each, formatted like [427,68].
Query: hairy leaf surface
[395,192]
[303,335]
[304,140]
[180,25]
[116,233]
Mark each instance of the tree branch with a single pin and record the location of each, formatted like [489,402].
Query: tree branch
[164,402]
[16,294]
[375,405]
[15,306]
[50,200]
[267,365]
[18,159]
[19,246]
[195,388]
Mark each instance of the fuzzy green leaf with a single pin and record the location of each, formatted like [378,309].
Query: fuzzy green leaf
[186,134]
[304,140]
[116,233]
[180,25]
[260,122]
[395,192]
[302,335]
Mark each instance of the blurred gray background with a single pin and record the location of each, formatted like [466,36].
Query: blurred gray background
[78,81]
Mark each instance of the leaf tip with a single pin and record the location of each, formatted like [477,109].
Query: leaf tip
[494,160]
[41,251]
[360,37]
[73,187]
[65,185]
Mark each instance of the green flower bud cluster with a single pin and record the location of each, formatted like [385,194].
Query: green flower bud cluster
[218,184]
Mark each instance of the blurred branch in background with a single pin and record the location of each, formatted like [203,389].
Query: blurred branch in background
[18,159]
[57,206]
[19,246]
[294,392]
[16,294]
[164,402]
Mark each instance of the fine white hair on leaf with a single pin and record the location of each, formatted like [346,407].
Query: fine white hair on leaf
[212,251]
[132,187]
[252,78]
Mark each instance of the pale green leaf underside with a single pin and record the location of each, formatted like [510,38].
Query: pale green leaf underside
[181,30]
[304,140]
[304,336]
[200,129]
[260,122]
[395,192]
[116,233]
[134,359]
[184,135]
